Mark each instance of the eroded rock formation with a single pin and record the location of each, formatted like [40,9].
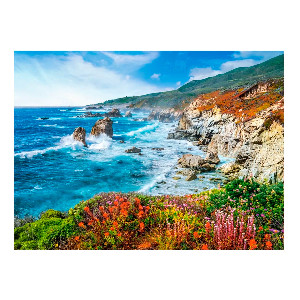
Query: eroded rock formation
[103,126]
[79,135]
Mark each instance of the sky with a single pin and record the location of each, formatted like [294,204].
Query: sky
[80,78]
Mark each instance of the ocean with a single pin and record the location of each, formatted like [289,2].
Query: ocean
[51,170]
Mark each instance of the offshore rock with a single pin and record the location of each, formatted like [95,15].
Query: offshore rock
[191,176]
[133,150]
[114,113]
[103,126]
[195,162]
[79,135]
[128,114]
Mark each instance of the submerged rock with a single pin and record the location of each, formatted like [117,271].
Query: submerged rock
[79,135]
[103,126]
[133,150]
[176,177]
[158,149]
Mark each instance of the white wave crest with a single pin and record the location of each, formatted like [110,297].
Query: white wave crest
[143,129]
[100,142]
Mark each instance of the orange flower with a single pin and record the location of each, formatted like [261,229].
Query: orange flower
[112,228]
[168,233]
[140,207]
[115,224]
[268,245]
[137,201]
[117,197]
[260,228]
[106,234]
[142,226]
[110,209]
[207,226]
[147,207]
[124,213]
[204,247]
[196,235]
[76,238]
[90,222]
[140,214]
[80,224]
[267,236]
[101,208]
[86,209]
[105,215]
[119,234]
[252,244]
[116,203]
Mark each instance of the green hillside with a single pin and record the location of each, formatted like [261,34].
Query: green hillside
[240,77]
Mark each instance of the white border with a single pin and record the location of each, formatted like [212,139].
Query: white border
[151,25]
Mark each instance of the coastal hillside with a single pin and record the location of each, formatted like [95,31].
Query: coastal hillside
[240,77]
[247,125]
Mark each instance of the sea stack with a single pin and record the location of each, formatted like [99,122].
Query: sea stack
[79,135]
[103,126]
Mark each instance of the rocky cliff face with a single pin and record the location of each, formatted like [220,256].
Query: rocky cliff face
[246,125]
[167,115]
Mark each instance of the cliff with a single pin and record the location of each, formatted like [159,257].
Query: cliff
[245,124]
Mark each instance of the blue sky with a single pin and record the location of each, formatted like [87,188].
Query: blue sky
[80,78]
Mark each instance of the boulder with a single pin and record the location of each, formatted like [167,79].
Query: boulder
[191,161]
[212,157]
[133,150]
[114,113]
[176,177]
[128,114]
[79,135]
[103,126]
[191,176]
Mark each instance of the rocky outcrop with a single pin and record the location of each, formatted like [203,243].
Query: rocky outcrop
[191,176]
[166,116]
[79,135]
[128,114]
[133,150]
[114,113]
[196,162]
[256,142]
[103,126]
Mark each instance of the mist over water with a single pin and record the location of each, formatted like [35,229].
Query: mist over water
[54,171]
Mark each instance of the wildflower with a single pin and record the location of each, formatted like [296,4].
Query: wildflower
[196,235]
[137,201]
[101,208]
[106,234]
[76,238]
[119,234]
[168,233]
[142,226]
[90,222]
[115,224]
[207,226]
[268,245]
[105,215]
[80,224]
[140,207]
[252,244]
[112,228]
[140,214]
[124,213]
[147,207]
[204,247]
[267,236]
[116,203]
[260,228]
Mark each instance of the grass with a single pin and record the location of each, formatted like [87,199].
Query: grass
[232,80]
[244,214]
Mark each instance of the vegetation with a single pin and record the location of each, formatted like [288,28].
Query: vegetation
[237,78]
[244,214]
[235,102]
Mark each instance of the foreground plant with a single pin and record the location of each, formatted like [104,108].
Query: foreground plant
[244,215]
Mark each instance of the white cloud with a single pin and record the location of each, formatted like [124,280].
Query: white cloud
[230,65]
[132,62]
[264,55]
[202,73]
[70,80]
[155,76]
